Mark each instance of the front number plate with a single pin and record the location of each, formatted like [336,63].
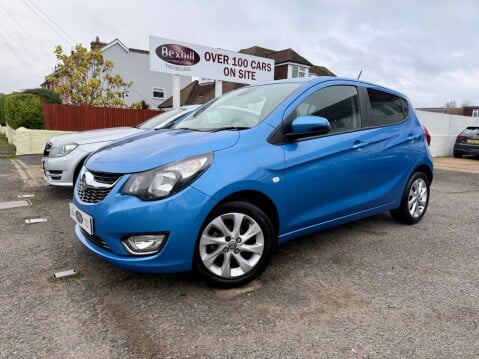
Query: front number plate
[84,220]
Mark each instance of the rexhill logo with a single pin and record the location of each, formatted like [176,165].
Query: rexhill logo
[178,54]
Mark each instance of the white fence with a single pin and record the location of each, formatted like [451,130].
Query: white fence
[444,130]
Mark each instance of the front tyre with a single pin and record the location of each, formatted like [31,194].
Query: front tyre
[414,201]
[234,245]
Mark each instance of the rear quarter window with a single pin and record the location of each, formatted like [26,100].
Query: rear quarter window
[386,108]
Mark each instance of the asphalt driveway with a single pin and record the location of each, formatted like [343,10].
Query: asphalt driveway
[370,289]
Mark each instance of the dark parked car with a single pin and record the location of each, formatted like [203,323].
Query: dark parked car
[467,143]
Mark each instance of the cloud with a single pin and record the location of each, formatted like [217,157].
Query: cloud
[428,50]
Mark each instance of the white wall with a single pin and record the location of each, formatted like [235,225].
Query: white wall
[444,129]
[29,141]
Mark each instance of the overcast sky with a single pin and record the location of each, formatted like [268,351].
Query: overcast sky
[427,49]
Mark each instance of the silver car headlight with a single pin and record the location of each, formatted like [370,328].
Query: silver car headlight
[166,180]
[63,150]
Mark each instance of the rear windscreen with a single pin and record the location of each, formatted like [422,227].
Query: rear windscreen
[471,131]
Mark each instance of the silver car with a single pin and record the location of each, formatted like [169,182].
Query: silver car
[64,155]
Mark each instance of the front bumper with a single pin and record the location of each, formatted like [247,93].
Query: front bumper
[119,216]
[59,171]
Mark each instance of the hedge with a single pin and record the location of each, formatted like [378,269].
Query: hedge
[2,112]
[48,96]
[23,110]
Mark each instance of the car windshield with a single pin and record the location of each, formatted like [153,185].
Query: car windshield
[160,120]
[240,109]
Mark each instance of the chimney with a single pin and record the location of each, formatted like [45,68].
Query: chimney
[97,44]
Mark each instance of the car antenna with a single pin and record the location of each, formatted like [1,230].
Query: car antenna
[360,72]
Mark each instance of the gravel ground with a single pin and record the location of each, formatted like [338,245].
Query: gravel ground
[370,289]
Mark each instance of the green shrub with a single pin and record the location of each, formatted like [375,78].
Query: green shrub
[48,96]
[2,112]
[23,110]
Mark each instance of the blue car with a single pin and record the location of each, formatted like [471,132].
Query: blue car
[254,168]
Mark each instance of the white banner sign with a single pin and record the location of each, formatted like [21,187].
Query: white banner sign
[181,58]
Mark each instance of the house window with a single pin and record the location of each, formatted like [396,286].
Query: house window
[475,112]
[298,71]
[158,93]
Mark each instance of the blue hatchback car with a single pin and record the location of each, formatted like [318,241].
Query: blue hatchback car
[256,167]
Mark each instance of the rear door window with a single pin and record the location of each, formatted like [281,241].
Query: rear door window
[386,108]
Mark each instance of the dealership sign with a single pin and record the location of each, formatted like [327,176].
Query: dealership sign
[181,58]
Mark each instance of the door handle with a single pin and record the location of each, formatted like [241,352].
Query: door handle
[358,145]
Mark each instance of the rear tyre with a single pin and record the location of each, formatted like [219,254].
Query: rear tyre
[457,154]
[414,201]
[234,245]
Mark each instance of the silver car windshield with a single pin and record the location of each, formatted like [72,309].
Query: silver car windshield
[240,109]
[160,120]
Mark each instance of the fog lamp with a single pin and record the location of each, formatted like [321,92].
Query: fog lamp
[142,245]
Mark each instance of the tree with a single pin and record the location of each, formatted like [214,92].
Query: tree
[450,104]
[86,78]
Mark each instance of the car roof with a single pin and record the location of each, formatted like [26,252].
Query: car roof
[324,79]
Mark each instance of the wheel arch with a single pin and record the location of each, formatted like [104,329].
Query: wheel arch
[426,170]
[258,199]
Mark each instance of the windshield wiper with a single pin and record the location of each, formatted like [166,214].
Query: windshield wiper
[229,128]
[188,129]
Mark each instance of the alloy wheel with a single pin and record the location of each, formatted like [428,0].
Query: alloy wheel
[417,199]
[231,245]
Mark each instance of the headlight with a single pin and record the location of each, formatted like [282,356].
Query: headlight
[166,180]
[63,150]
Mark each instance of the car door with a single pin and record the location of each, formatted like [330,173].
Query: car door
[327,176]
[396,141]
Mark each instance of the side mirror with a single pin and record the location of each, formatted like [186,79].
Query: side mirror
[305,126]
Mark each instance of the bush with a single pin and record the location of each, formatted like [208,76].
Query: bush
[48,96]
[2,112]
[23,110]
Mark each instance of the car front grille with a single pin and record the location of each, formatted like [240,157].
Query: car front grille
[96,240]
[95,186]
[46,150]
[106,178]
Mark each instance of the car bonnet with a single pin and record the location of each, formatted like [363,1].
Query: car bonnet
[156,148]
[94,136]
